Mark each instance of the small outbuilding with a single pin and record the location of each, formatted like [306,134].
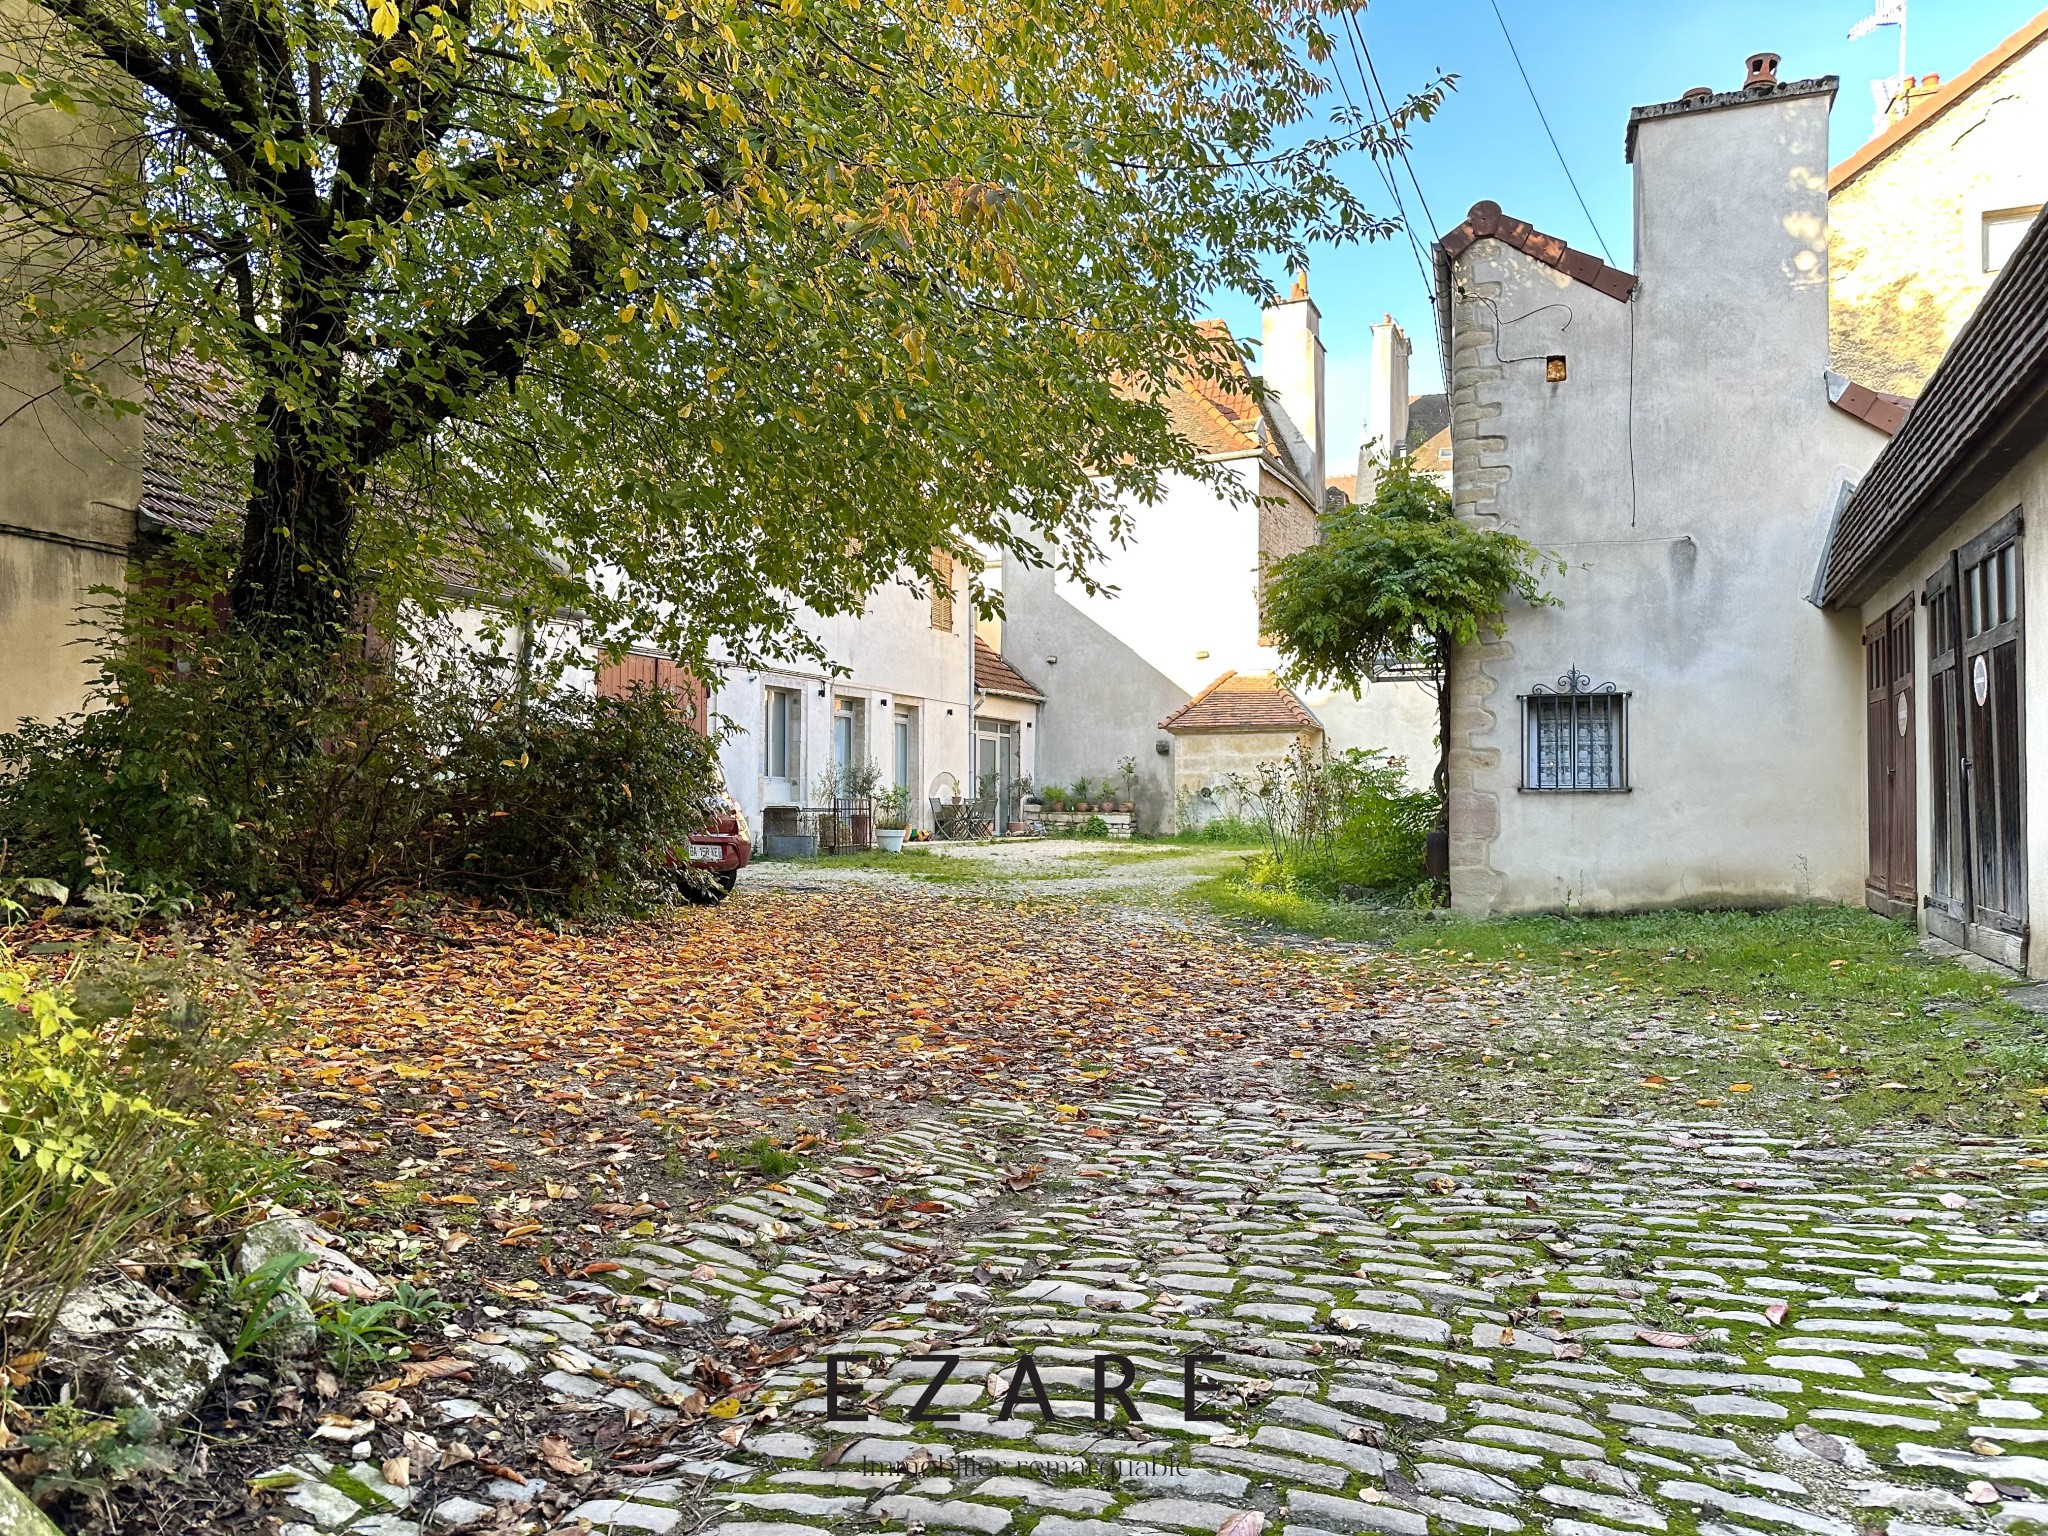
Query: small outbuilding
[1224,733]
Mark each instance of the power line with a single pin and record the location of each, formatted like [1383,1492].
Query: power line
[1530,85]
[1361,58]
[1387,180]
[1360,49]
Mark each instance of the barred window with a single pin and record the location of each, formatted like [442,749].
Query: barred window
[1575,736]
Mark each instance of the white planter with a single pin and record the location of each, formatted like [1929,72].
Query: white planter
[891,839]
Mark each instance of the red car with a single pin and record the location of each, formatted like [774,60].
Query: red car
[709,864]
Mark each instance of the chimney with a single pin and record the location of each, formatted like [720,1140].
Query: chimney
[1386,402]
[1291,363]
[1763,72]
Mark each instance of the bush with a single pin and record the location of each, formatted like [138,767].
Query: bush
[1332,824]
[289,775]
[117,1093]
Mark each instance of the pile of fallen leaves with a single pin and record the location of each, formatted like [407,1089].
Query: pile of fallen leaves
[508,1086]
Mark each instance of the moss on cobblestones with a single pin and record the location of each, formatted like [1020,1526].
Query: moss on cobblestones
[1807,1017]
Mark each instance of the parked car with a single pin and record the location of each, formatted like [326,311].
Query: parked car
[708,866]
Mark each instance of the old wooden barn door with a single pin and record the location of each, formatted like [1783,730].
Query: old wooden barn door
[1893,884]
[1977,888]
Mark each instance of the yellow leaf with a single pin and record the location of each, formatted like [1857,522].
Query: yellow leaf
[384,18]
[724,1408]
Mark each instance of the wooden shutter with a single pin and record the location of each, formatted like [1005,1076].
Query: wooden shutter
[942,590]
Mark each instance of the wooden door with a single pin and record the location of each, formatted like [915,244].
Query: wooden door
[1989,601]
[1977,888]
[1892,886]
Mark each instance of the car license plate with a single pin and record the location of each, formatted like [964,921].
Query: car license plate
[706,853]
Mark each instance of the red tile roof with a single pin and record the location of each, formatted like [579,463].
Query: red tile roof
[1255,702]
[994,675]
[1885,412]
[1487,222]
[2035,31]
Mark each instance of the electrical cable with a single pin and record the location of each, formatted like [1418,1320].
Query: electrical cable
[1387,180]
[1545,120]
[1386,108]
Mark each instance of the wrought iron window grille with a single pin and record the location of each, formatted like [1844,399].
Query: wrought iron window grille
[1575,737]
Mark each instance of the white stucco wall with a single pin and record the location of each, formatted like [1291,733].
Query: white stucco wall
[2024,488]
[1683,471]
[894,659]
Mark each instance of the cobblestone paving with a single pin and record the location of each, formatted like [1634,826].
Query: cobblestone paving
[1574,1328]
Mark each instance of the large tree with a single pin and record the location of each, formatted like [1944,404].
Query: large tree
[686,312]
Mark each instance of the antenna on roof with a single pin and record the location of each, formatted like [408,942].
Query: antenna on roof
[1887,94]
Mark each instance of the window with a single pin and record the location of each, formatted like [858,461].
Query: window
[2004,228]
[1574,736]
[782,734]
[942,590]
[906,750]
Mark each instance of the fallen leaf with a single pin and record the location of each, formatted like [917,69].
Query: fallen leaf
[1246,1522]
[413,1372]
[556,1451]
[1663,1340]
[397,1471]
[1776,1313]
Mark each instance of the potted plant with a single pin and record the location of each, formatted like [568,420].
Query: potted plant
[892,816]
[1128,768]
[857,783]
[1081,801]
[1055,797]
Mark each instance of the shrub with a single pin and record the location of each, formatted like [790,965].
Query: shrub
[261,774]
[1344,821]
[117,1093]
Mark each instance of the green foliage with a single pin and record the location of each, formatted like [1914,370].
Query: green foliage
[1223,832]
[255,1314]
[118,1094]
[85,1454]
[1392,582]
[284,774]
[356,1337]
[763,1155]
[562,290]
[892,807]
[1333,824]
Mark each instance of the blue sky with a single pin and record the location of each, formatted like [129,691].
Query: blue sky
[1591,60]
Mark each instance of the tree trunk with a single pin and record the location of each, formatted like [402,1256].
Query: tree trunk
[295,582]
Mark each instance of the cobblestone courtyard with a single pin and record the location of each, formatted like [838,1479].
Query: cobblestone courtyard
[1410,1324]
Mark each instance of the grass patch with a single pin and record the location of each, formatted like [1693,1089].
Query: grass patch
[919,863]
[1296,913]
[763,1155]
[1807,1015]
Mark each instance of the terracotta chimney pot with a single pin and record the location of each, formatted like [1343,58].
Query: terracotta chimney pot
[1763,72]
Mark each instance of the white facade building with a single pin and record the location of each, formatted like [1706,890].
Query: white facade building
[1678,730]
[903,702]
[1180,600]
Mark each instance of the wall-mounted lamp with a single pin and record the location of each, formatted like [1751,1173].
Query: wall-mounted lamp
[1163,748]
[821,693]
[1554,370]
